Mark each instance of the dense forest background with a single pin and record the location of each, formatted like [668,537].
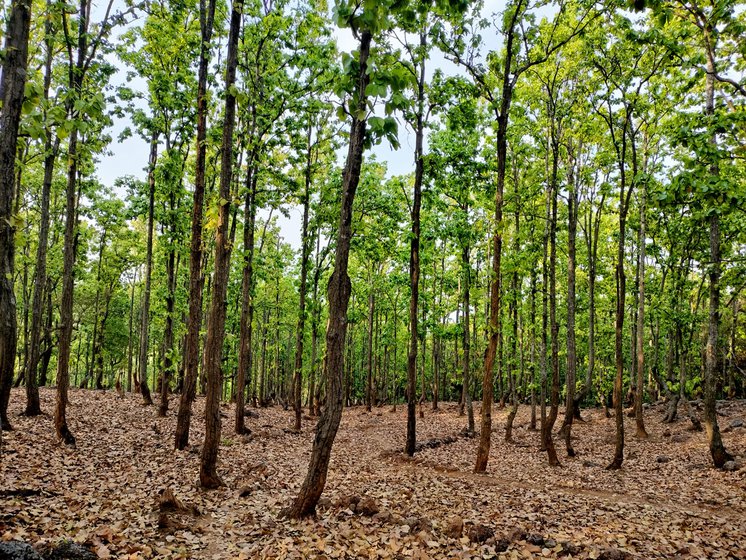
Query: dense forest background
[573,226]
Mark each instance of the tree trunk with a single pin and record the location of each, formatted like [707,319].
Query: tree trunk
[145,311]
[719,455]
[369,347]
[572,222]
[246,328]
[208,475]
[640,393]
[196,281]
[414,257]
[12,84]
[51,148]
[553,324]
[305,252]
[338,296]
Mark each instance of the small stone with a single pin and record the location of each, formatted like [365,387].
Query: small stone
[550,543]
[662,459]
[571,549]
[71,551]
[455,527]
[737,423]
[536,540]
[502,544]
[480,533]
[382,517]
[613,554]
[730,466]
[368,506]
[17,550]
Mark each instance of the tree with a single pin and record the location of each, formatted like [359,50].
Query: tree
[194,318]
[208,475]
[78,104]
[338,291]
[497,86]
[12,83]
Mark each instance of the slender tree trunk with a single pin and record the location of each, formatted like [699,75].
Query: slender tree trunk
[639,421]
[246,327]
[414,257]
[196,281]
[208,474]
[51,148]
[719,455]
[305,252]
[553,324]
[145,311]
[338,291]
[12,84]
[572,222]
[532,359]
[511,365]
[131,338]
[369,347]
[75,80]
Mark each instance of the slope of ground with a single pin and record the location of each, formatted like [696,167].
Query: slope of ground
[667,501]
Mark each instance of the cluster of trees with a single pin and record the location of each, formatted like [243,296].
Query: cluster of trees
[573,226]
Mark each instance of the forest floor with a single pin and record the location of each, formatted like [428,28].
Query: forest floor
[666,502]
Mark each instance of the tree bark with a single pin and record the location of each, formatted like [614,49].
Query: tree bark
[12,84]
[145,311]
[305,252]
[717,450]
[572,222]
[640,393]
[338,296]
[246,328]
[414,256]
[51,148]
[208,475]
[196,281]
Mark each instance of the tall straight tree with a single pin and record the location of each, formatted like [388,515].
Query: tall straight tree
[145,310]
[12,84]
[414,243]
[625,70]
[194,320]
[78,64]
[208,475]
[51,148]
[497,86]
[717,30]
[339,288]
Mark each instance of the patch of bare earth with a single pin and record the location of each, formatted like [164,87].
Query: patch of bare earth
[125,493]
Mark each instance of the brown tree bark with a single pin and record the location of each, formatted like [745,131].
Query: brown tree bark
[305,252]
[338,296]
[51,148]
[369,346]
[145,310]
[196,281]
[717,450]
[12,85]
[414,255]
[572,223]
[246,327]
[640,393]
[208,475]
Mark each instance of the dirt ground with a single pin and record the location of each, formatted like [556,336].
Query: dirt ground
[666,502]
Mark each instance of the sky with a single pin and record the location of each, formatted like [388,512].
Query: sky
[130,156]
